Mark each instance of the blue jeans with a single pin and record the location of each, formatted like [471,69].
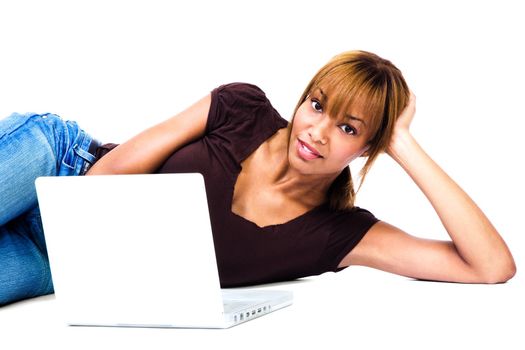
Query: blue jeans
[32,145]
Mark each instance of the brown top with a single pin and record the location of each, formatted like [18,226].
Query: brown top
[241,118]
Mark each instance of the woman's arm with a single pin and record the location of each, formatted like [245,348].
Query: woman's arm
[476,254]
[145,152]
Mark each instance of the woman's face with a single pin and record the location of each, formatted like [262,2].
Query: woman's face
[321,144]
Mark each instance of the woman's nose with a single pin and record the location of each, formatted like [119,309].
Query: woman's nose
[319,131]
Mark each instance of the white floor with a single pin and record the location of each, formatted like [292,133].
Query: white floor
[359,308]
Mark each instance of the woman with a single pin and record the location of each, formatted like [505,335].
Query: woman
[281,195]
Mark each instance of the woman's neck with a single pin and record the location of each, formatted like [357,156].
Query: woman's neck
[308,189]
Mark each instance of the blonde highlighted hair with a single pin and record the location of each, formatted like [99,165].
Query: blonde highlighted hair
[380,91]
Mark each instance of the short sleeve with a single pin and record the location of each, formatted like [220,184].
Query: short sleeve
[241,117]
[235,100]
[347,230]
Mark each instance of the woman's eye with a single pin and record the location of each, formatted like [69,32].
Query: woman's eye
[347,129]
[316,105]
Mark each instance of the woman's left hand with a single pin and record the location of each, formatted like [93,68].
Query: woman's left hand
[402,126]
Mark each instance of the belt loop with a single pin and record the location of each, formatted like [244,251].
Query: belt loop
[89,156]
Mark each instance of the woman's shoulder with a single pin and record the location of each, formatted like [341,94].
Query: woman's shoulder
[355,221]
[354,214]
[238,103]
[240,88]
[239,94]
[340,224]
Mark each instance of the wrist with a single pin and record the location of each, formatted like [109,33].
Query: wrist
[402,147]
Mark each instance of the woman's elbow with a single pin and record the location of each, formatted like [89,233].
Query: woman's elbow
[508,272]
[501,274]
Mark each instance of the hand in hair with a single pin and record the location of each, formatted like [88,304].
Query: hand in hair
[475,253]
[402,126]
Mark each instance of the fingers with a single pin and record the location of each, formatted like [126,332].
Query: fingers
[405,118]
[411,102]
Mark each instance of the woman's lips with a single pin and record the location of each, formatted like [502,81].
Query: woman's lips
[306,151]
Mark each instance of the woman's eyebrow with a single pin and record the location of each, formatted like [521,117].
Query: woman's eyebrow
[348,116]
[351,117]
[323,96]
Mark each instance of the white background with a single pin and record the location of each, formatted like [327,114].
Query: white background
[117,67]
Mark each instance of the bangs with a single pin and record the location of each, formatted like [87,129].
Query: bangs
[345,89]
[365,84]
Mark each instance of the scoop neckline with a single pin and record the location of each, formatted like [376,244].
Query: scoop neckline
[271,226]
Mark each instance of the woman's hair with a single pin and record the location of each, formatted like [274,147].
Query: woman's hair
[378,88]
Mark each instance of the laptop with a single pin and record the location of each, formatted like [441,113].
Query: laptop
[137,250]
